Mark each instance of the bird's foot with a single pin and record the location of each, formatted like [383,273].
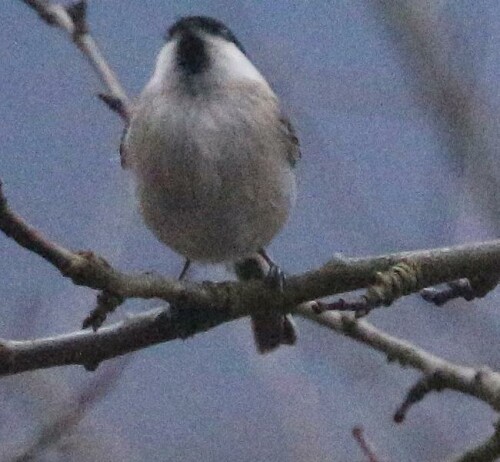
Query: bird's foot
[275,277]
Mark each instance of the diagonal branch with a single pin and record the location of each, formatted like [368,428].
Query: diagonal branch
[365,446]
[89,348]
[73,20]
[470,127]
[483,384]
[65,422]
[26,236]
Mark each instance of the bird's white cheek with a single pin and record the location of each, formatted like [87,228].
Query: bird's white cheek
[165,66]
[230,64]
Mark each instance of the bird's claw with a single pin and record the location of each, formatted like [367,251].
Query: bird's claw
[275,278]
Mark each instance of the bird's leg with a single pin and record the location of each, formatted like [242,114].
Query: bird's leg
[275,277]
[185,269]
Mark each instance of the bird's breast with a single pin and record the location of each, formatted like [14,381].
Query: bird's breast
[213,179]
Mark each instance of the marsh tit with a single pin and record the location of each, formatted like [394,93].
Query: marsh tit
[213,155]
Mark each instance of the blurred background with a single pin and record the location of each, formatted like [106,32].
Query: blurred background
[396,106]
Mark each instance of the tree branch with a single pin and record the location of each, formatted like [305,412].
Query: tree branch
[339,275]
[73,20]
[489,451]
[483,384]
[240,299]
[466,125]
[365,446]
[89,348]
[65,423]
[206,305]
[461,288]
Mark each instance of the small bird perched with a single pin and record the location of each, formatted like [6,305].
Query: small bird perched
[213,156]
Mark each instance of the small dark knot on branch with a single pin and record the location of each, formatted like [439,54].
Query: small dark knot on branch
[78,14]
[91,366]
[116,104]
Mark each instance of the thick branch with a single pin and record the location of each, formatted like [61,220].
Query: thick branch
[89,348]
[240,299]
[73,21]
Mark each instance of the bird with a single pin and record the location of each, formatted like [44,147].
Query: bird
[213,157]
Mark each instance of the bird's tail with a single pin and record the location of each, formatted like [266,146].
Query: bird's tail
[270,330]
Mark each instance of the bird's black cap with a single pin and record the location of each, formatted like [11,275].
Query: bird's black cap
[192,24]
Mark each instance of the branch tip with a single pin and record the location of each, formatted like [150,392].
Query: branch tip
[107,302]
[468,289]
[365,446]
[73,20]
[431,382]
[44,11]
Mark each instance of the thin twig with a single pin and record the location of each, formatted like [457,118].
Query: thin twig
[73,20]
[106,304]
[365,446]
[464,288]
[66,422]
[428,383]
[460,288]
[483,384]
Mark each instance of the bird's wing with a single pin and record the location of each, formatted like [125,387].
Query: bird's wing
[294,153]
